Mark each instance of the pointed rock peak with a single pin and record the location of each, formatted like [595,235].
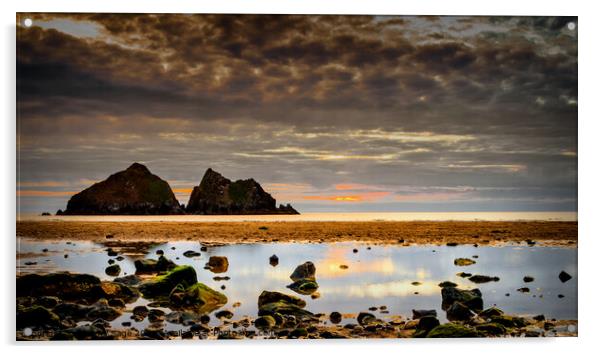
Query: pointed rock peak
[138,167]
[212,176]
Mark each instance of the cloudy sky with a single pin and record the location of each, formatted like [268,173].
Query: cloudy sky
[329,113]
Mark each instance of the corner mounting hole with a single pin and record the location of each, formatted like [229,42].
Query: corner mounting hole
[571,26]
[28,22]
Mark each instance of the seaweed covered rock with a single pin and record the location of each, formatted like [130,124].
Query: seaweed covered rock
[219,195]
[197,297]
[452,330]
[491,329]
[162,285]
[267,297]
[304,279]
[134,191]
[277,305]
[304,286]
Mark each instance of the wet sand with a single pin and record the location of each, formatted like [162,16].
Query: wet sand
[548,233]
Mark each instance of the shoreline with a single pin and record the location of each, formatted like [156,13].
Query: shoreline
[543,233]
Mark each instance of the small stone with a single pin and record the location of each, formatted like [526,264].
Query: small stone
[528,279]
[564,276]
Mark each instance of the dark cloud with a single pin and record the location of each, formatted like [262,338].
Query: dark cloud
[310,99]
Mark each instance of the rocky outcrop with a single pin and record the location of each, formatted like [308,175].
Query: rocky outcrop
[135,191]
[219,195]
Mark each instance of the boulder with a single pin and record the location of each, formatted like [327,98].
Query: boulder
[335,317]
[365,318]
[306,270]
[37,317]
[217,264]
[267,297]
[492,311]
[162,285]
[134,191]
[162,264]
[425,325]
[219,195]
[198,297]
[473,299]
[113,270]
[274,260]
[66,286]
[265,322]
[459,312]
[304,287]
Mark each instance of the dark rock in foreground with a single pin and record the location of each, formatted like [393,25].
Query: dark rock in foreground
[135,191]
[219,195]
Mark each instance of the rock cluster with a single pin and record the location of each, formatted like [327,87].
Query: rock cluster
[136,191]
[219,195]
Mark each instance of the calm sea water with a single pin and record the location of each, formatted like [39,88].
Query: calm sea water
[382,275]
[405,216]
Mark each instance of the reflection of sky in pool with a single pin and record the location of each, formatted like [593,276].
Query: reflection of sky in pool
[380,276]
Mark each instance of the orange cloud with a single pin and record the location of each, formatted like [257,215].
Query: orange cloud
[182,190]
[360,197]
[34,193]
[42,184]
[352,186]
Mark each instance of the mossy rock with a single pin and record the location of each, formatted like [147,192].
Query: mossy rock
[463,262]
[198,297]
[489,312]
[473,299]
[494,329]
[304,286]
[37,316]
[509,321]
[273,296]
[113,290]
[452,330]
[283,308]
[162,285]
[298,333]
[265,322]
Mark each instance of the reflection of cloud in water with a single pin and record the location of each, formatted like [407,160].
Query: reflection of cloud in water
[380,290]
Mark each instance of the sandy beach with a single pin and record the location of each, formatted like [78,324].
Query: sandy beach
[419,232]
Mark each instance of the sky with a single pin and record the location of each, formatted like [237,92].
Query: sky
[329,113]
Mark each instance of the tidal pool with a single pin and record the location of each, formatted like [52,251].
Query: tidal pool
[376,275]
